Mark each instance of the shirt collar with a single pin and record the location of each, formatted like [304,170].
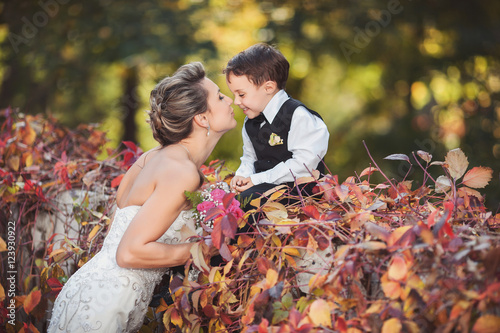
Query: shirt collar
[274,105]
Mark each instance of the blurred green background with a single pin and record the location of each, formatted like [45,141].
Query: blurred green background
[401,75]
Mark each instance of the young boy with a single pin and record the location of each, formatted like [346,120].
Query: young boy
[282,139]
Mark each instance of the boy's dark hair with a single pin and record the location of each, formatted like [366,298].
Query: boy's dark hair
[260,63]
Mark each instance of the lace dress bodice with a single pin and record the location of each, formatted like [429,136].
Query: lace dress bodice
[104,297]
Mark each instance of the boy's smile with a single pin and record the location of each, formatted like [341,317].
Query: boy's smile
[250,98]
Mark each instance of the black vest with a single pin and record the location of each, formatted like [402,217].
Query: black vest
[268,154]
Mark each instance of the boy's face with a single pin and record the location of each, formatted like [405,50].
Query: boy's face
[250,98]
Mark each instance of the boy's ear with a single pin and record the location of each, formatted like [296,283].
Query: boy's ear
[270,86]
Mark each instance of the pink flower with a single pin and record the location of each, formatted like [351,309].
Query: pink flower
[205,206]
[235,209]
[217,194]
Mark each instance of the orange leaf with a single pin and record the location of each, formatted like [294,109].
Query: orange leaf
[391,289]
[487,324]
[342,191]
[392,325]
[398,269]
[397,234]
[32,300]
[478,177]
[320,313]
[456,162]
[368,171]
[176,319]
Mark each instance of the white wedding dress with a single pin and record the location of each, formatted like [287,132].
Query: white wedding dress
[104,297]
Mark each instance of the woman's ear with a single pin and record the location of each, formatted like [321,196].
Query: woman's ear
[201,120]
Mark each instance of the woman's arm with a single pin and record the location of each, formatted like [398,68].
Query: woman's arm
[138,247]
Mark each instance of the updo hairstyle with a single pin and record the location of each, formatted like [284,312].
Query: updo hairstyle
[175,101]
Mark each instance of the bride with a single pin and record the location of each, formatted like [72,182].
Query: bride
[111,292]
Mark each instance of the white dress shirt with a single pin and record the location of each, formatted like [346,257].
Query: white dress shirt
[307,141]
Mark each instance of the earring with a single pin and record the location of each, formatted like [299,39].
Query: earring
[208,130]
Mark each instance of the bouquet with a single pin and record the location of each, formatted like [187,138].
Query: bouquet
[216,210]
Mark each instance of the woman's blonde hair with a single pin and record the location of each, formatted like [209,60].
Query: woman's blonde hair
[175,101]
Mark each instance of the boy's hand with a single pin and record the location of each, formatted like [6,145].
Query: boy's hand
[243,185]
[239,183]
[236,181]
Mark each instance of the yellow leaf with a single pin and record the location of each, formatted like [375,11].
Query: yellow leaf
[2,293]
[271,278]
[214,275]
[478,177]
[372,245]
[276,240]
[376,307]
[93,232]
[28,159]
[398,269]
[56,252]
[3,245]
[487,324]
[456,162]
[291,251]
[320,313]
[392,325]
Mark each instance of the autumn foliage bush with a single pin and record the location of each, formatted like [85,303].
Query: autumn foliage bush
[359,256]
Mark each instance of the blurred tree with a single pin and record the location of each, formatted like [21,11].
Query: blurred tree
[60,47]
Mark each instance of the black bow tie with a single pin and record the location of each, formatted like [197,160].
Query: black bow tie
[259,119]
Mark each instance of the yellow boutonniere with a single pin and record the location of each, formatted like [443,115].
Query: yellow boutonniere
[274,140]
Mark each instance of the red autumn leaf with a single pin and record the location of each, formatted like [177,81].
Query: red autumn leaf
[229,224]
[117,180]
[209,311]
[54,284]
[225,253]
[130,145]
[227,199]
[311,211]
[28,185]
[217,237]
[263,265]
[32,300]
[213,213]
[477,177]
